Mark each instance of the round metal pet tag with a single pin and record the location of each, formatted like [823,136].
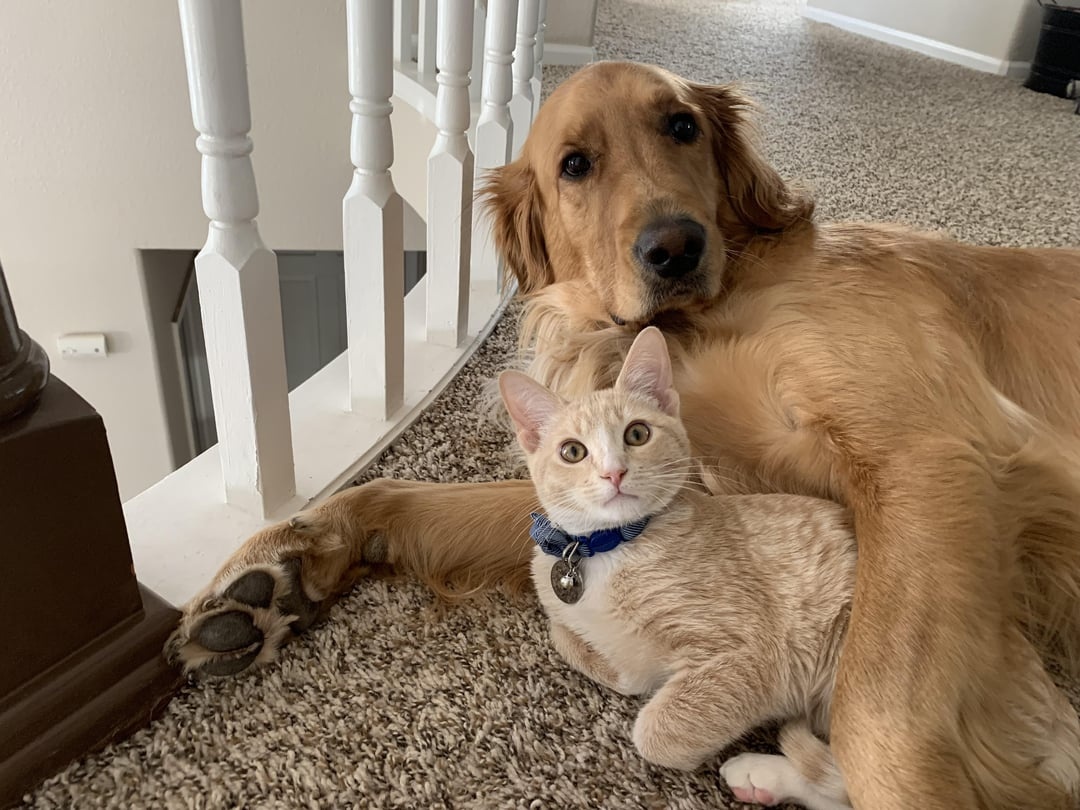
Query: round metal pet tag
[566,582]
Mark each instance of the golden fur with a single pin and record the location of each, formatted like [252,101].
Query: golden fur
[932,387]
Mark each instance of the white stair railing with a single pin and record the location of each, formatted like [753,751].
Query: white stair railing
[495,128]
[237,274]
[372,221]
[522,104]
[405,20]
[281,451]
[479,21]
[538,55]
[450,180]
[426,39]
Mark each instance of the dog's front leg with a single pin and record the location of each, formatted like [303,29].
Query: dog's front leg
[458,538]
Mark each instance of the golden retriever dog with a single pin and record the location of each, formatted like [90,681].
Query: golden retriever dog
[930,386]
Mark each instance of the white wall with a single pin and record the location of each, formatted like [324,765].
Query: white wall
[571,22]
[97,160]
[1005,30]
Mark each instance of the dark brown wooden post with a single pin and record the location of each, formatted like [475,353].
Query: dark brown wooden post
[80,640]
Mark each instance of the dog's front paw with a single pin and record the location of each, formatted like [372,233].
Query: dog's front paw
[244,621]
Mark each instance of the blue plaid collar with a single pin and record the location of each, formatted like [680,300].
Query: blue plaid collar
[555,541]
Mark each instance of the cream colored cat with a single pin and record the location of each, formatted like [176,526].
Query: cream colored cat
[729,611]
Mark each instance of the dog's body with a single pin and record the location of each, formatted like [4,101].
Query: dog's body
[932,387]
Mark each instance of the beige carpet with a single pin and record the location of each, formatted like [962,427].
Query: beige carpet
[388,705]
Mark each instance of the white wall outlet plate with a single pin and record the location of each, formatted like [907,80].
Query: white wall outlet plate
[82,344]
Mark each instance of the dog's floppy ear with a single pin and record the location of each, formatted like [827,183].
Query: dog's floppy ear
[511,200]
[760,199]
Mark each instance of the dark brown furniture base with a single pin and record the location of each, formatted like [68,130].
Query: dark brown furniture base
[80,640]
[105,692]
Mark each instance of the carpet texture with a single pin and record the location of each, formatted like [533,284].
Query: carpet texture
[395,702]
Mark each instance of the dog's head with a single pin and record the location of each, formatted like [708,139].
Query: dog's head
[640,183]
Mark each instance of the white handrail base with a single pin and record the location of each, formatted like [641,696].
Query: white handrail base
[240,299]
[493,139]
[373,239]
[521,110]
[450,192]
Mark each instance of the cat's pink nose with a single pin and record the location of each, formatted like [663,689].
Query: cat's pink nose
[615,477]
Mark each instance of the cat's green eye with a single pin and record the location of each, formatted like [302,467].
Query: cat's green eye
[573,451]
[637,433]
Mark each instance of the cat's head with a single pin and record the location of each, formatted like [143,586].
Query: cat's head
[613,456]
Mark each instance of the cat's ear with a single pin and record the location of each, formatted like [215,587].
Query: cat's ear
[530,405]
[647,370]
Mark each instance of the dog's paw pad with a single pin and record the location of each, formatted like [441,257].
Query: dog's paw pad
[229,665]
[227,632]
[255,589]
[245,623]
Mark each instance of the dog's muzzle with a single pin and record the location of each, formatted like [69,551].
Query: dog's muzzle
[670,248]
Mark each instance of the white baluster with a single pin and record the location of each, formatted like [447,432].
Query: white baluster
[372,220]
[404,31]
[521,105]
[427,35]
[479,22]
[237,274]
[450,181]
[538,68]
[494,130]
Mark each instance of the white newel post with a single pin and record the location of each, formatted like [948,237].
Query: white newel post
[426,34]
[236,272]
[521,105]
[404,30]
[494,129]
[372,220]
[450,181]
[538,67]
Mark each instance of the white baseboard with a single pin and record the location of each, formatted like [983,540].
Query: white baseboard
[1017,70]
[556,53]
[914,42]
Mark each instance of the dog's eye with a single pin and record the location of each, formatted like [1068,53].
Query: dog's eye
[683,128]
[576,165]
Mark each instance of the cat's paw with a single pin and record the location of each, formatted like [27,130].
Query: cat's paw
[244,621]
[760,778]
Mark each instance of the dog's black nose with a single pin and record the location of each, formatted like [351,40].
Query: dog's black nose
[670,247]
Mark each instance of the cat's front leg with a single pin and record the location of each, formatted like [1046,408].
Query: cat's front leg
[701,710]
[578,654]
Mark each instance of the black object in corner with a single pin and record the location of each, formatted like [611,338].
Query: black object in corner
[1057,56]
